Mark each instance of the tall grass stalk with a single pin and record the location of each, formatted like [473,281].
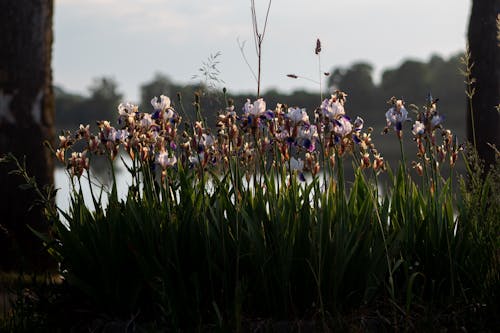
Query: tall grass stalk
[259,39]
[470,89]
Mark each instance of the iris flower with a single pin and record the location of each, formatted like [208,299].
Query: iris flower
[332,108]
[161,105]
[342,127]
[418,128]
[256,109]
[396,115]
[165,161]
[297,115]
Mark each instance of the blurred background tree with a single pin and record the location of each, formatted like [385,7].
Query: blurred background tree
[100,104]
[161,84]
[485,57]
[356,79]
[410,81]
[26,121]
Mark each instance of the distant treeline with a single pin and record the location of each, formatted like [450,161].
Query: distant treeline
[411,81]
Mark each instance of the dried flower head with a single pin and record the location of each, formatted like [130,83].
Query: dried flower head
[318,46]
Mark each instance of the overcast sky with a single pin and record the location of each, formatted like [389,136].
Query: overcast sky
[130,40]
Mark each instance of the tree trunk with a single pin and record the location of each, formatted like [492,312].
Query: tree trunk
[485,55]
[26,121]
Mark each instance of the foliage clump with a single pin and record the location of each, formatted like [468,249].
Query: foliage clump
[256,218]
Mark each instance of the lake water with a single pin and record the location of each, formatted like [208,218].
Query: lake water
[63,184]
[123,180]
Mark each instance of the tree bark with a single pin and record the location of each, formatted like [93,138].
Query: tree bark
[26,121]
[485,56]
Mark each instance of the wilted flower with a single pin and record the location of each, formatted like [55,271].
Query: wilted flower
[418,167]
[378,162]
[93,144]
[441,151]
[420,146]
[456,148]
[364,140]
[83,132]
[365,161]
[145,153]
[77,163]
[358,124]
[60,154]
[125,109]
[66,140]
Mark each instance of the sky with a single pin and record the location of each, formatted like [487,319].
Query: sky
[131,40]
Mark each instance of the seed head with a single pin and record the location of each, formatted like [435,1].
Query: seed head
[318,46]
